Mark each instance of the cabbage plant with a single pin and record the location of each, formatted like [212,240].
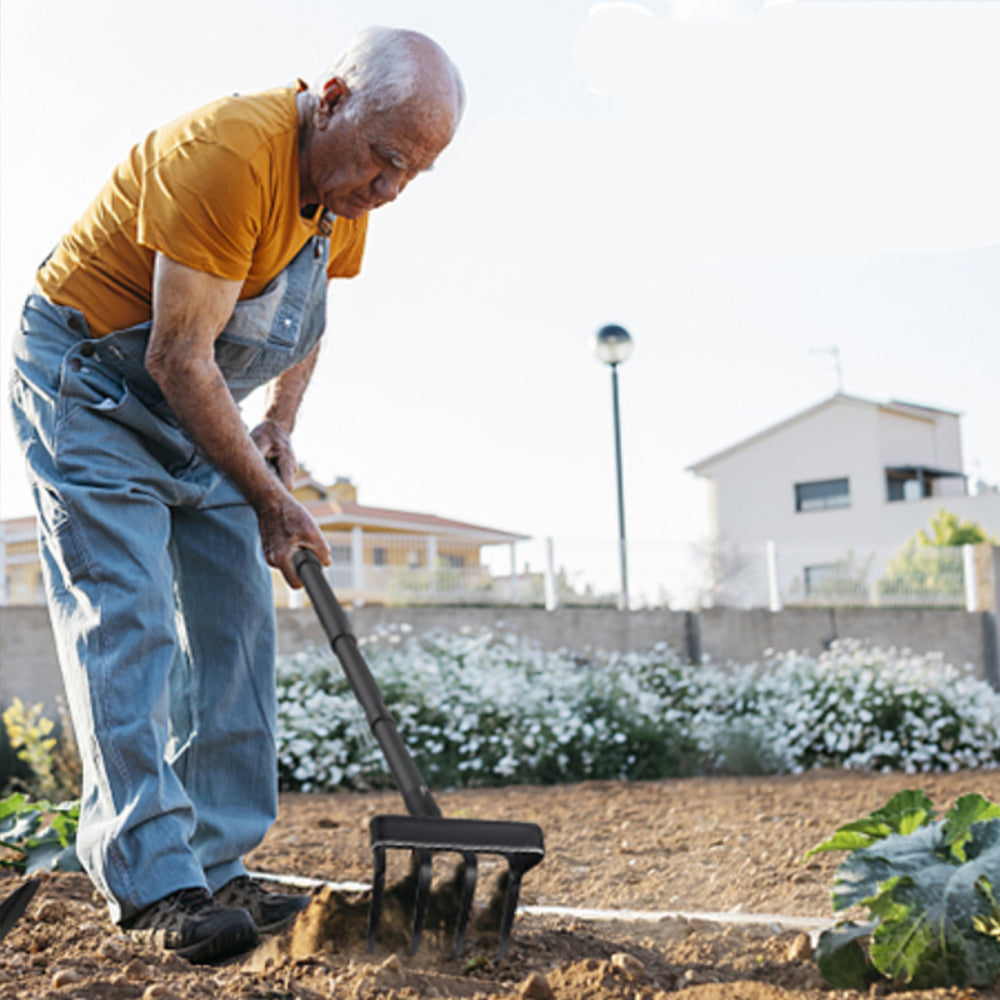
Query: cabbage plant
[930,885]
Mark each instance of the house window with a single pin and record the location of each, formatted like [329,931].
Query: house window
[453,561]
[381,556]
[816,576]
[823,495]
[341,555]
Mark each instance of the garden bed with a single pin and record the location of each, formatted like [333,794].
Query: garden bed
[718,858]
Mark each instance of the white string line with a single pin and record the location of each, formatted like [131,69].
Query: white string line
[784,921]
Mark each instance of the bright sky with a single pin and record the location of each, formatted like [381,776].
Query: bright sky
[738,184]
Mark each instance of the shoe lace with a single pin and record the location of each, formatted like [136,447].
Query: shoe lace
[246,886]
[192,900]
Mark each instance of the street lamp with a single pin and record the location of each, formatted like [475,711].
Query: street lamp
[613,345]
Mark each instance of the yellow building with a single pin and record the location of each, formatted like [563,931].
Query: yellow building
[380,555]
[21,576]
[388,556]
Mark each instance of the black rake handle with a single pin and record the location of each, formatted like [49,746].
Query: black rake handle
[337,626]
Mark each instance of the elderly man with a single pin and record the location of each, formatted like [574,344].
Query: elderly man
[198,274]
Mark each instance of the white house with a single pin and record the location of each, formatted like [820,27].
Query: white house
[847,478]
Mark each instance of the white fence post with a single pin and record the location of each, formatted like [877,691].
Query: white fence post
[969,574]
[513,573]
[551,581]
[357,562]
[432,562]
[4,596]
[773,587]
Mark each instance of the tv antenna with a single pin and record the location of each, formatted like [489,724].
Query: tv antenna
[835,352]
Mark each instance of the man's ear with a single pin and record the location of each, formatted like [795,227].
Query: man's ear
[332,93]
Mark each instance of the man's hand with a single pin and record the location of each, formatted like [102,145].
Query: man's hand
[274,443]
[284,530]
[190,309]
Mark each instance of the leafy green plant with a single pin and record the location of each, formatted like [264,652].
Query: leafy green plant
[930,564]
[947,529]
[30,733]
[27,845]
[48,762]
[929,886]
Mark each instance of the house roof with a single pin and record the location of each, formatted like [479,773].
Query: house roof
[17,529]
[331,513]
[914,410]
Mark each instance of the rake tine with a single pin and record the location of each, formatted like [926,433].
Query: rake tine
[509,906]
[378,886]
[423,895]
[465,909]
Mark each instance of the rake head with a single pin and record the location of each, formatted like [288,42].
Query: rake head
[520,843]
[424,831]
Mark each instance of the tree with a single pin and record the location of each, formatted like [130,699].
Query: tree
[946,530]
[928,567]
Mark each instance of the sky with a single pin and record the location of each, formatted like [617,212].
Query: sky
[743,185]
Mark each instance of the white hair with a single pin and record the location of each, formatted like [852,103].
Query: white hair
[382,68]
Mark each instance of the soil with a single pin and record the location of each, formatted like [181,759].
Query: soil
[721,905]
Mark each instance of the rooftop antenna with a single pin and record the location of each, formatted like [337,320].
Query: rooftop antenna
[835,351]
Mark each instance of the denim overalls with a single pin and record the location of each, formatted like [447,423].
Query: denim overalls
[158,591]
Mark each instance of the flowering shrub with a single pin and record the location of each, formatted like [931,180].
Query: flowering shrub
[862,708]
[487,709]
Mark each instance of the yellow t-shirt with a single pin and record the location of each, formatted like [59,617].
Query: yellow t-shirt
[218,190]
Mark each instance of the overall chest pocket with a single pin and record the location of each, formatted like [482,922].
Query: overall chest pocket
[259,334]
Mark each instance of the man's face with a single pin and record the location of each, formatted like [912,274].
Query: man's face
[352,167]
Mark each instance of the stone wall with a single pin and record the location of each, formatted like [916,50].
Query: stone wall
[28,667]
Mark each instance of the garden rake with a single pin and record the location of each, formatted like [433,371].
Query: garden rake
[424,831]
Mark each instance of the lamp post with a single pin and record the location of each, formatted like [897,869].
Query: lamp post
[613,345]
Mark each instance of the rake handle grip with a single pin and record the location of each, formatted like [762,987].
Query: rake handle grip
[337,626]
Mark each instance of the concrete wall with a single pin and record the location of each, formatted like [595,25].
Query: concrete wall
[579,629]
[28,667]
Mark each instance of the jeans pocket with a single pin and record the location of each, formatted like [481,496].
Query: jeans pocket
[60,537]
[106,433]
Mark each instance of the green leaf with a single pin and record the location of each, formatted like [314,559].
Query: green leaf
[990,924]
[51,847]
[862,874]
[861,833]
[23,826]
[983,837]
[959,819]
[926,935]
[842,956]
[43,855]
[10,807]
[905,812]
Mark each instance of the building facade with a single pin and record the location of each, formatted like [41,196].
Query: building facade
[846,479]
[380,555]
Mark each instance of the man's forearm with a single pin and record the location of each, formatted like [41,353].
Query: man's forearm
[200,398]
[190,308]
[285,393]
